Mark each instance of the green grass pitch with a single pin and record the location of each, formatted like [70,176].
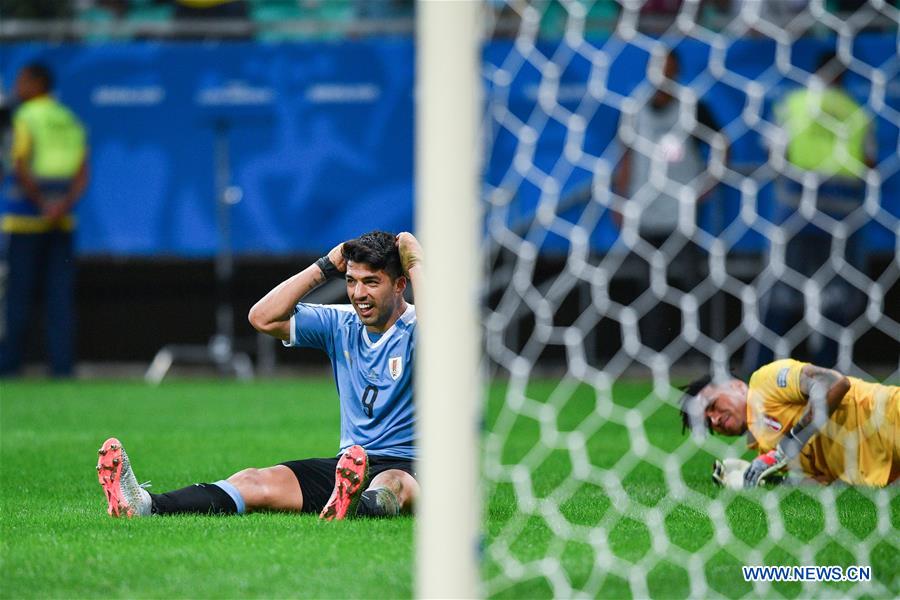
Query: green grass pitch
[57,540]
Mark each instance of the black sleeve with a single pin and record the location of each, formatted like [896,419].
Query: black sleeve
[705,117]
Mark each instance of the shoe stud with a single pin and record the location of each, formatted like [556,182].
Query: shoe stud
[115,462]
[358,461]
[99,468]
[101,452]
[113,447]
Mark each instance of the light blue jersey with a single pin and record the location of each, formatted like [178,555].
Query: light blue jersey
[374,377]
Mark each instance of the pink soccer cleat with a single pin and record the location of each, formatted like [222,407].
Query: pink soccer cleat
[124,496]
[350,480]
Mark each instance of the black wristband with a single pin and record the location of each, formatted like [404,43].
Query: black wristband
[328,269]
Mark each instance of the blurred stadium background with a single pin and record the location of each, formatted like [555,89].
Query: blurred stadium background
[235,142]
[308,107]
[312,123]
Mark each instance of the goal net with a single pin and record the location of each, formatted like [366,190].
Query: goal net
[673,189]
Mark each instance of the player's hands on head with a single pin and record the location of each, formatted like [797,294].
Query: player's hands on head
[336,256]
[410,250]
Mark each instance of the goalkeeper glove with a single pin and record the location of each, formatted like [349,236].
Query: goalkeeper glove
[729,473]
[718,474]
[763,466]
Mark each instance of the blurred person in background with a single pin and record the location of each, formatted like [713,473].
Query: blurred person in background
[194,13]
[211,9]
[36,9]
[49,176]
[828,134]
[5,176]
[779,13]
[663,167]
[384,9]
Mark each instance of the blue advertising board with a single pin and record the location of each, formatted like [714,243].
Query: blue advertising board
[320,138]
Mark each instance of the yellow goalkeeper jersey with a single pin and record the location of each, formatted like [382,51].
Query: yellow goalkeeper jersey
[860,444]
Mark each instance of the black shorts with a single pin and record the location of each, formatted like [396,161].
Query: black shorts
[316,476]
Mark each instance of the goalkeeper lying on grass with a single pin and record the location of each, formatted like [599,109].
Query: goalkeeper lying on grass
[371,345]
[808,418]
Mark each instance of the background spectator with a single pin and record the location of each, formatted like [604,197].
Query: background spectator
[828,134]
[664,168]
[195,12]
[211,9]
[50,166]
[36,9]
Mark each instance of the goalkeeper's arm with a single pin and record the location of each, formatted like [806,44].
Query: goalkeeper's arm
[272,314]
[824,389]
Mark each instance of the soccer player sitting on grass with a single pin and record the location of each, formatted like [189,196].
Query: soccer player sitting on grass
[371,344]
[799,415]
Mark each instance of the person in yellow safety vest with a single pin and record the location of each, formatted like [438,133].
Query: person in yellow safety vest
[49,175]
[829,135]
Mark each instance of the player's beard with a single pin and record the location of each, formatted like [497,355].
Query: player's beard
[377,315]
[368,314]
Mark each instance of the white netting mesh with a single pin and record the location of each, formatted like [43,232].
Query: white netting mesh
[600,295]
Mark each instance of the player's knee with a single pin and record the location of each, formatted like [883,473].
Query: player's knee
[248,476]
[409,491]
[401,483]
[251,484]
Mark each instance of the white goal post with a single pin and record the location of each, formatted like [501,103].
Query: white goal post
[448,391]
[642,223]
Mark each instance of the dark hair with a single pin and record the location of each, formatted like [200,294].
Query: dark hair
[41,73]
[829,67]
[689,400]
[825,58]
[377,249]
[672,54]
